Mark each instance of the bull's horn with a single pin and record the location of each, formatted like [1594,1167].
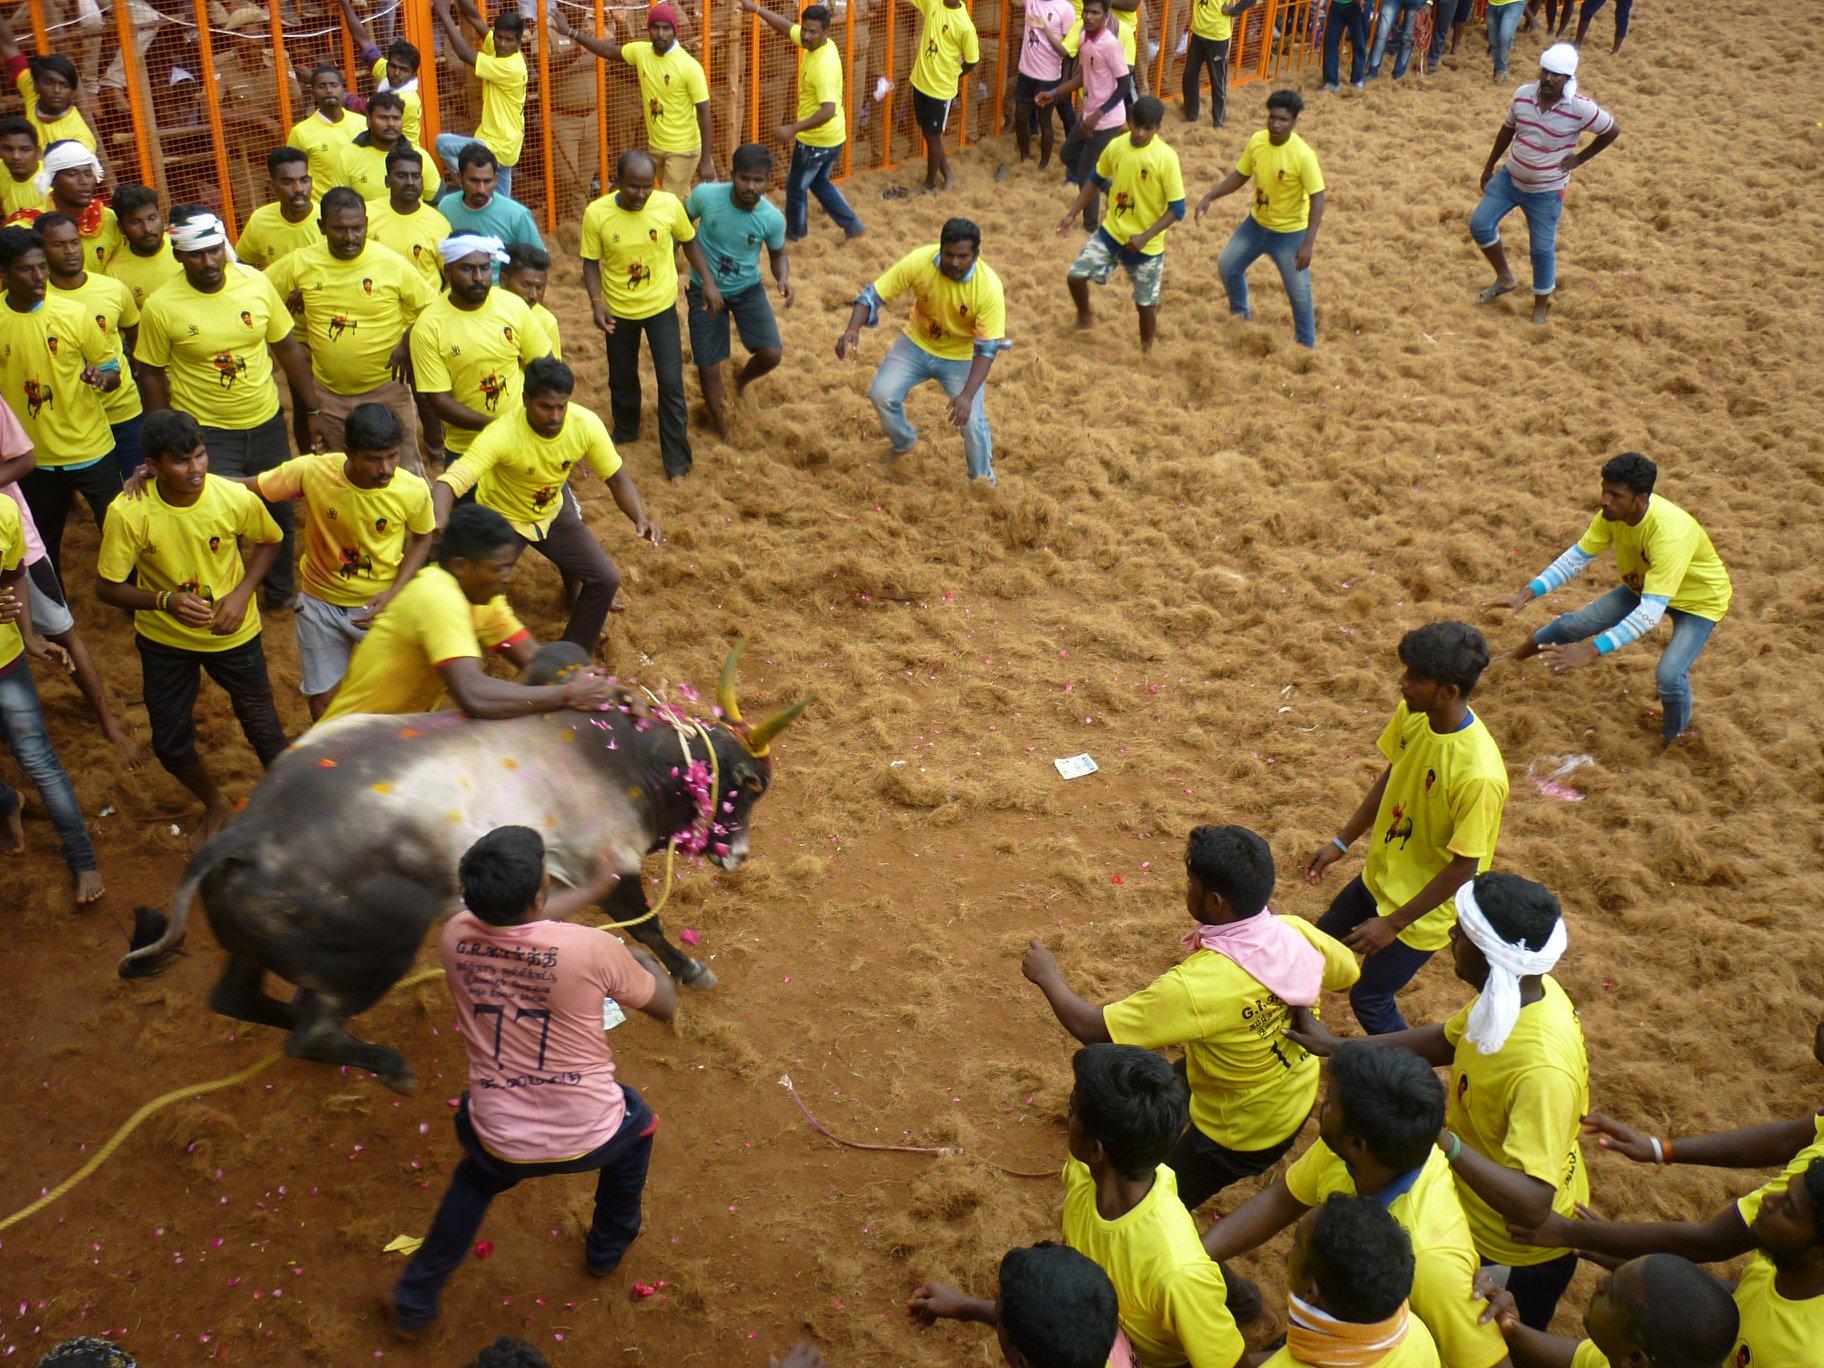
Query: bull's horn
[760,738]
[725,687]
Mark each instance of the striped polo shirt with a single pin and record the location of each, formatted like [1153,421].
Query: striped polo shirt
[1545,134]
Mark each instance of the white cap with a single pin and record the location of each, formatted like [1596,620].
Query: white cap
[1560,59]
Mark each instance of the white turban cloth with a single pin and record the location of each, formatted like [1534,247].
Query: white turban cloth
[1491,1020]
[64,156]
[199,232]
[459,245]
[1561,60]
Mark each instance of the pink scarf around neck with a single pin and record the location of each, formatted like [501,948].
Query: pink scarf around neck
[1287,965]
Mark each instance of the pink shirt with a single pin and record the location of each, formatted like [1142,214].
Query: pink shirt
[14,442]
[529,1004]
[1038,58]
[1104,64]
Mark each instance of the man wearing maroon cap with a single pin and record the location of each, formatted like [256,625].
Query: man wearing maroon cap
[674,97]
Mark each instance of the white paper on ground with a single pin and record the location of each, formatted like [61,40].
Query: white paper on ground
[1075,766]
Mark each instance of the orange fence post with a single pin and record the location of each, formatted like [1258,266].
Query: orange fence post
[213,103]
[40,35]
[350,75]
[601,103]
[1165,49]
[886,114]
[962,93]
[848,90]
[753,78]
[281,69]
[544,115]
[1000,66]
[421,33]
[136,97]
[706,44]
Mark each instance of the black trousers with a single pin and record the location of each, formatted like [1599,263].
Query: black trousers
[1204,1168]
[172,677]
[572,548]
[1537,1289]
[244,453]
[663,336]
[1211,54]
[50,492]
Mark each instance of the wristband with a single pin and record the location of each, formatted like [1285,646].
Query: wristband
[1668,1144]
[1659,1150]
[163,602]
[1340,844]
[1456,1147]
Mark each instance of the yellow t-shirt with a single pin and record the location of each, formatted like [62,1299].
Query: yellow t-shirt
[414,236]
[18,196]
[12,556]
[411,123]
[476,355]
[196,549]
[671,88]
[638,252]
[268,235]
[1750,1206]
[355,311]
[214,347]
[1444,1255]
[1775,1332]
[1416,1350]
[1170,1292]
[69,124]
[946,40]
[521,475]
[354,539]
[1444,798]
[142,275]
[948,316]
[1667,553]
[110,304]
[42,356]
[1587,1355]
[1285,178]
[363,170]
[1142,183]
[101,246]
[1209,21]
[1251,1088]
[430,623]
[1125,26]
[548,321]
[820,83]
[1523,1107]
[503,103]
[322,142]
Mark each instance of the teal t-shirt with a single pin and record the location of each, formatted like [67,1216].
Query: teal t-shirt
[731,236]
[506,219]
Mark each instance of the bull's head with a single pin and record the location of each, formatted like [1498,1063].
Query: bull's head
[747,768]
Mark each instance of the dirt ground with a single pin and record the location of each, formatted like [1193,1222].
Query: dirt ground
[1196,568]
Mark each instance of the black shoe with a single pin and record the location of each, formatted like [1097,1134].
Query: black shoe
[623,438]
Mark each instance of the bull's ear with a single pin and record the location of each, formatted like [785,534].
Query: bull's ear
[753,783]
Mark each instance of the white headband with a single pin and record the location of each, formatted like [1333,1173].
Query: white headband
[198,233]
[64,156]
[1492,1019]
[459,245]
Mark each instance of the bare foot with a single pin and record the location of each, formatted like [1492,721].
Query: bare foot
[132,753]
[15,831]
[1084,321]
[214,819]
[1542,308]
[620,603]
[89,887]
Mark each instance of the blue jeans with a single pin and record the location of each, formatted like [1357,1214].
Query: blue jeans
[1446,14]
[1384,972]
[1248,245]
[908,365]
[449,147]
[126,444]
[620,1166]
[1672,680]
[1503,24]
[22,728]
[1541,207]
[1400,15]
[1351,19]
[810,175]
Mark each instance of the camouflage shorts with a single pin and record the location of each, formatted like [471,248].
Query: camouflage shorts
[1097,262]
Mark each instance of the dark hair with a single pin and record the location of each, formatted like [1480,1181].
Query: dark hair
[1690,1319]
[1232,861]
[1632,470]
[1446,653]
[752,156]
[475,154]
[384,99]
[471,533]
[819,13]
[510,21]
[1360,1259]
[14,124]
[1287,99]
[1520,911]
[56,219]
[526,256]
[340,197]
[1131,1102]
[322,67]
[1099,4]
[169,432]
[15,242]
[508,1352]
[1057,1306]
[130,197]
[1814,1192]
[54,64]
[630,158]
[502,873]
[960,230]
[1148,111]
[401,53]
[372,427]
[284,156]
[1391,1099]
[182,213]
[403,152]
[548,375]
[87,1353]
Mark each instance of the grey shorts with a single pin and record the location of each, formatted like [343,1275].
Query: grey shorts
[752,313]
[327,637]
[50,609]
[1097,262]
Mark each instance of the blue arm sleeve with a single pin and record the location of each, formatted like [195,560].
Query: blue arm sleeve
[1102,182]
[870,297]
[1635,625]
[1561,571]
[991,347]
[1177,208]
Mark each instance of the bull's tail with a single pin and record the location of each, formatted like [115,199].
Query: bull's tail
[157,937]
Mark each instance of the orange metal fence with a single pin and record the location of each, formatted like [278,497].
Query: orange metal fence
[190,95]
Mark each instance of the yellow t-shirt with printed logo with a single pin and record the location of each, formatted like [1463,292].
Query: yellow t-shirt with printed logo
[1142,183]
[1587,1355]
[415,237]
[521,475]
[142,274]
[1125,26]
[1209,21]
[110,304]
[1750,1206]
[1171,1294]
[42,356]
[820,83]
[18,196]
[1285,178]
[214,347]
[946,41]
[1776,1332]
[101,246]
[637,251]
[68,125]
[476,355]
[195,549]
[411,123]
[671,88]
[503,103]
[12,556]
[1444,1255]
[1416,1350]
[1444,798]
[363,170]
[1523,1107]
[269,235]
[322,142]
[354,539]
[1251,1088]
[1666,553]
[948,316]
[547,320]
[355,311]
[430,623]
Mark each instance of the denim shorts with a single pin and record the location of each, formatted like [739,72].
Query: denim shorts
[1097,262]
[752,313]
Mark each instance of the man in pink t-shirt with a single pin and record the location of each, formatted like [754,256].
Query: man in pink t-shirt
[1042,58]
[1108,89]
[530,993]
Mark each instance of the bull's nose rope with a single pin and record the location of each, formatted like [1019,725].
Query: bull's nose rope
[685,729]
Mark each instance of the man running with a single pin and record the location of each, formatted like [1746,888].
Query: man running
[818,132]
[1106,80]
[289,220]
[405,222]
[948,50]
[109,304]
[500,66]
[674,97]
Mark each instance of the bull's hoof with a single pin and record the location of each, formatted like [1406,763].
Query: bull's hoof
[399,1078]
[698,975]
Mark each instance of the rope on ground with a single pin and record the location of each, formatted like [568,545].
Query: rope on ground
[939,1151]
